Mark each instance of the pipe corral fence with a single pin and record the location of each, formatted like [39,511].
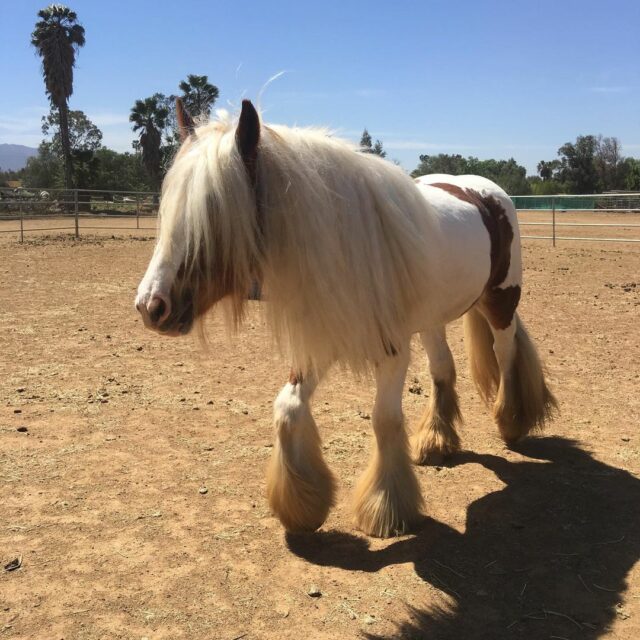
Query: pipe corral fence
[87,210]
[563,211]
[81,209]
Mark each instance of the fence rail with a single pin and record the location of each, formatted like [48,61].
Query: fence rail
[79,206]
[601,203]
[619,201]
[22,205]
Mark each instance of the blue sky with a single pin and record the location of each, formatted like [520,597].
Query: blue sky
[494,78]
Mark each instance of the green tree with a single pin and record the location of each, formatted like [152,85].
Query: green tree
[608,163]
[508,174]
[83,134]
[630,171]
[84,140]
[57,38]
[548,169]
[198,95]
[578,167]
[544,170]
[378,150]
[511,176]
[8,175]
[541,187]
[366,143]
[46,170]
[452,164]
[119,172]
[170,134]
[170,131]
[367,146]
[85,172]
[149,119]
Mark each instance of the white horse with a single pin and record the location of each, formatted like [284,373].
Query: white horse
[353,258]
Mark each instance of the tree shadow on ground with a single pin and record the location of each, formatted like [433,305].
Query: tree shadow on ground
[546,556]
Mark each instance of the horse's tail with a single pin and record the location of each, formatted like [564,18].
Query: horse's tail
[483,364]
[523,401]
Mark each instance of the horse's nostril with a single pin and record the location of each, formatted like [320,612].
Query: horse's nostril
[157,309]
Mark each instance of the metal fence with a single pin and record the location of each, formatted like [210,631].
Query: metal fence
[79,210]
[75,210]
[562,210]
[618,201]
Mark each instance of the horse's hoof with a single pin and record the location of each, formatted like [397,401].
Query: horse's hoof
[433,450]
[430,458]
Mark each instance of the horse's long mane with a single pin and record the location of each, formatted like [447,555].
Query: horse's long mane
[341,251]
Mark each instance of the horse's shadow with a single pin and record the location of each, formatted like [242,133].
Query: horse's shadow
[546,556]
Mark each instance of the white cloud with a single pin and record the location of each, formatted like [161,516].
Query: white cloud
[23,128]
[118,139]
[619,89]
[369,93]
[26,139]
[303,95]
[418,145]
[108,119]
[19,125]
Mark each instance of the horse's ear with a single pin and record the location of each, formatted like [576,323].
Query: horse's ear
[248,131]
[185,121]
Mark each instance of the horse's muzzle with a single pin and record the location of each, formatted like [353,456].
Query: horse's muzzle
[161,315]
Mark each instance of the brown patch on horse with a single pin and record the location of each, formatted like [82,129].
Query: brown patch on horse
[295,378]
[499,303]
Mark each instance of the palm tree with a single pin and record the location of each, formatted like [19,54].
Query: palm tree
[544,169]
[149,117]
[57,38]
[198,95]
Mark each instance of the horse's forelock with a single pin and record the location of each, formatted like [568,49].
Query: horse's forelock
[208,213]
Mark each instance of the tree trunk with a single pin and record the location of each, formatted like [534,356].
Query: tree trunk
[63,110]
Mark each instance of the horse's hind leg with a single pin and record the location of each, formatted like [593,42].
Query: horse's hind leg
[387,497]
[300,486]
[436,434]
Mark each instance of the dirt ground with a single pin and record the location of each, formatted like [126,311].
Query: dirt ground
[132,490]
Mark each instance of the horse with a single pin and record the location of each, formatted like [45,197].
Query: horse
[352,258]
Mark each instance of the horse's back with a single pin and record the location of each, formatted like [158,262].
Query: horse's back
[483,186]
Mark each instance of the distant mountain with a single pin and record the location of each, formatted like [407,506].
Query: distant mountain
[15,156]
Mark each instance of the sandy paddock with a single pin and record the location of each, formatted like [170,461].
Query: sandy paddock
[131,471]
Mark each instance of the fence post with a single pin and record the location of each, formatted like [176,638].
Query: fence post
[137,211]
[553,220]
[21,224]
[75,205]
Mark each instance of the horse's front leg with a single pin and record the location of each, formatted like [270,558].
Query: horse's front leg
[300,486]
[387,498]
